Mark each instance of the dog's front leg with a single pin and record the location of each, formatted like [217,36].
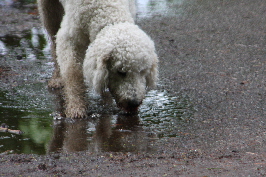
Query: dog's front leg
[70,54]
[74,90]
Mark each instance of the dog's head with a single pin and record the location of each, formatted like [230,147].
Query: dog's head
[122,59]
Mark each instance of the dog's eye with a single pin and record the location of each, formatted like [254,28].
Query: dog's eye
[122,73]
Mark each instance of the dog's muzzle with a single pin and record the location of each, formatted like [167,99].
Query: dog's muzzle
[130,106]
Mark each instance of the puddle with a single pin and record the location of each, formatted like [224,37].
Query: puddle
[158,117]
[27,105]
[25,102]
[16,3]
[151,8]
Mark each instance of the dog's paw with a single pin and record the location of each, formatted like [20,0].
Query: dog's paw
[75,112]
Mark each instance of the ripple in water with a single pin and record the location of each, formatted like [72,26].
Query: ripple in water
[162,113]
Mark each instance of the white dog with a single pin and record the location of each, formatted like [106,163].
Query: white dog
[99,42]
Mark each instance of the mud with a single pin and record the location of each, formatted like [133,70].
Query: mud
[212,52]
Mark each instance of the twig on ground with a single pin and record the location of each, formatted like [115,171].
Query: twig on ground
[4,128]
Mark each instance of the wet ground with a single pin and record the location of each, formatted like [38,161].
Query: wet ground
[206,117]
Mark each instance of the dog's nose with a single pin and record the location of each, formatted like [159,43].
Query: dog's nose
[130,106]
[133,103]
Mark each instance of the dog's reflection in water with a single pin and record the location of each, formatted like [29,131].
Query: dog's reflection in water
[126,135]
[108,131]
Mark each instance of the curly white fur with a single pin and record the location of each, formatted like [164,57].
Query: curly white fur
[99,41]
[121,58]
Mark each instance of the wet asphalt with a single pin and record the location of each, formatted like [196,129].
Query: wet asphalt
[214,53]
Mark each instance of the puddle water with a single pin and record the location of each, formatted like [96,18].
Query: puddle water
[16,3]
[108,130]
[27,105]
[151,8]
[25,102]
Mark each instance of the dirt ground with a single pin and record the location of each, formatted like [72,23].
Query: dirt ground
[214,53]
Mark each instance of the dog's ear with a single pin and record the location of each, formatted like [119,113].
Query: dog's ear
[94,67]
